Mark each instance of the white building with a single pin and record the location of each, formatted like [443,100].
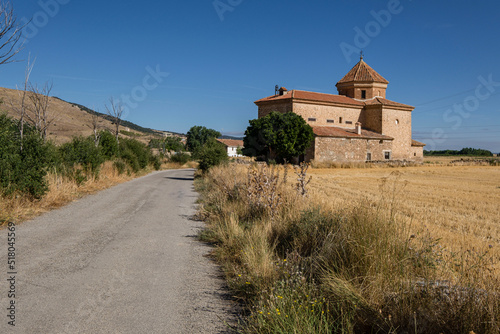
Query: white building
[232,146]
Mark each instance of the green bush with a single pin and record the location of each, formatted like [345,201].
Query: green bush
[22,170]
[180,158]
[120,166]
[155,160]
[211,154]
[82,151]
[135,153]
[131,159]
[108,145]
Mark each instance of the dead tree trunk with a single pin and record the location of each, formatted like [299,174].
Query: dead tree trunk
[40,101]
[115,111]
[94,125]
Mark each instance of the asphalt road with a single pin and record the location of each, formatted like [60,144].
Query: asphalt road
[125,260]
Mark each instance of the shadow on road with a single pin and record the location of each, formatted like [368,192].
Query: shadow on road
[180,178]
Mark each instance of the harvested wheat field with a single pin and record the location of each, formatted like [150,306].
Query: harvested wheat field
[459,204]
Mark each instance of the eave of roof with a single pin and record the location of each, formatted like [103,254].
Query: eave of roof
[336,132]
[386,102]
[330,98]
[417,143]
[311,96]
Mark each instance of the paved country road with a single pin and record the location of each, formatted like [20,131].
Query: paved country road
[125,260]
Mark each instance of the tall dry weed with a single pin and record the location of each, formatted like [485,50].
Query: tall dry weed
[305,267]
[62,190]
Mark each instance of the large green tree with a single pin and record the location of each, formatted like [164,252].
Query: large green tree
[278,136]
[168,144]
[197,136]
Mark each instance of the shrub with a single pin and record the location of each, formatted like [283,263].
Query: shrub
[212,154]
[155,160]
[82,151]
[119,166]
[108,145]
[179,157]
[130,158]
[23,163]
[135,152]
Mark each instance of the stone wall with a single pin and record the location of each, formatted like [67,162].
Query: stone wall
[371,118]
[417,153]
[283,107]
[328,115]
[397,124]
[328,149]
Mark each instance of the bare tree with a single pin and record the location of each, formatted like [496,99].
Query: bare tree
[40,117]
[95,125]
[115,110]
[22,108]
[10,33]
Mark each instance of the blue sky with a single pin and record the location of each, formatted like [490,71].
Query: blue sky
[194,62]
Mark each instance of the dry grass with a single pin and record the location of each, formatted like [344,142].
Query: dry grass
[70,121]
[63,191]
[359,252]
[460,205]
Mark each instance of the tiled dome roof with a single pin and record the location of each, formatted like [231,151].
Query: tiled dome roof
[362,72]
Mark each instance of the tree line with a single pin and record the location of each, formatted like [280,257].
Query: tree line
[25,161]
[467,151]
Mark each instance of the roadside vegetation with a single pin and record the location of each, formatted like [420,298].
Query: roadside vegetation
[36,175]
[302,263]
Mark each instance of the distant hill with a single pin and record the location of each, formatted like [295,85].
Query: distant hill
[125,123]
[230,137]
[73,119]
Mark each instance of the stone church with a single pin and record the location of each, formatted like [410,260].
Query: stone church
[358,124]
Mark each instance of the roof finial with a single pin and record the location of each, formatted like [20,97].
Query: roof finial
[361,55]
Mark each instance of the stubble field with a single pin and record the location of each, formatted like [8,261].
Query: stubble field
[460,205]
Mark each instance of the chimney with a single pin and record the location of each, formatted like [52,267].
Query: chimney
[283,91]
[358,128]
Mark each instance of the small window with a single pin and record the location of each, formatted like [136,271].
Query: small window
[414,154]
[363,94]
[348,122]
[387,155]
[330,121]
[397,121]
[340,120]
[368,156]
[311,119]
[381,142]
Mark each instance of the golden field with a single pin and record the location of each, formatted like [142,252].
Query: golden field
[458,204]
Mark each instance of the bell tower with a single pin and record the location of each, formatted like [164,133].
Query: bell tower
[362,82]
